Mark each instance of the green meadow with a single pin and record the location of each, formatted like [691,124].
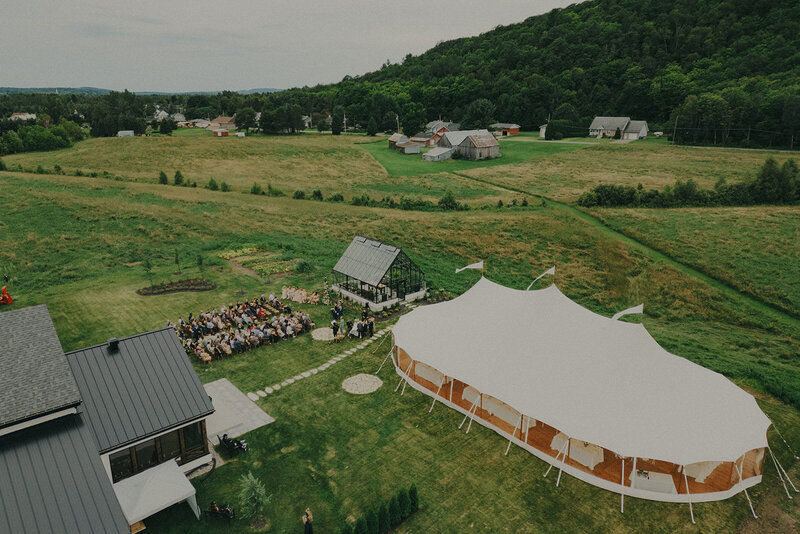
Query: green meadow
[78,244]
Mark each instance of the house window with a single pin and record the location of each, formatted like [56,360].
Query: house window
[146,455]
[121,465]
[194,441]
[170,446]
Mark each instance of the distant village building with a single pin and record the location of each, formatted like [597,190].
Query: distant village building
[160,115]
[125,133]
[607,127]
[505,128]
[22,116]
[439,153]
[222,123]
[471,144]
[200,123]
[306,121]
[425,138]
[178,117]
[407,147]
[397,138]
[542,131]
[239,134]
[438,126]
[220,133]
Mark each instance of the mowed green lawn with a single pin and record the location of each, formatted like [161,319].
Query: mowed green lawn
[77,243]
[397,164]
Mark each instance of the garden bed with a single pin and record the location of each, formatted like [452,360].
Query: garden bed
[194,284]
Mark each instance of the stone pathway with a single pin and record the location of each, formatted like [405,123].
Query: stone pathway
[362,384]
[261,393]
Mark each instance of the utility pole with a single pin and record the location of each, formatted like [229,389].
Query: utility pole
[675,127]
[397,118]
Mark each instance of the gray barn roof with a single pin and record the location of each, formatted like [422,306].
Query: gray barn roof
[147,386]
[367,260]
[503,125]
[636,126]
[609,123]
[52,480]
[35,378]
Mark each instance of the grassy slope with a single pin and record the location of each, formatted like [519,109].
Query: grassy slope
[73,243]
[753,249]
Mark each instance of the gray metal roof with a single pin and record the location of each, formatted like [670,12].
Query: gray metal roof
[147,386]
[35,378]
[52,480]
[609,123]
[502,125]
[636,126]
[367,260]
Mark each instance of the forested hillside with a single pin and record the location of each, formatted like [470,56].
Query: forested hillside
[710,71]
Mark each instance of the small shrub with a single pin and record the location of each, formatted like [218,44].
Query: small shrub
[93,174]
[361,526]
[395,515]
[405,503]
[499,203]
[514,203]
[253,498]
[524,202]
[256,189]
[39,170]
[212,185]
[57,168]
[224,187]
[274,191]
[162,178]
[372,522]
[317,195]
[78,172]
[299,194]
[384,523]
[2,165]
[178,180]
[336,197]
[413,496]
[304,266]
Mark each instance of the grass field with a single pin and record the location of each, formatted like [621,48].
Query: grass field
[77,244]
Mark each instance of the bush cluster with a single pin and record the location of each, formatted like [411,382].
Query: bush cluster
[773,184]
[446,203]
[389,514]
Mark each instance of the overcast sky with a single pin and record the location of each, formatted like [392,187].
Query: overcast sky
[210,45]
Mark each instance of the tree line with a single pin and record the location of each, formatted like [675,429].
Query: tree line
[774,184]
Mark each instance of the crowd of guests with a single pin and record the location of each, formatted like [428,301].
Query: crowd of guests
[238,328]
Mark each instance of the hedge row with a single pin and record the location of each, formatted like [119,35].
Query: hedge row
[388,515]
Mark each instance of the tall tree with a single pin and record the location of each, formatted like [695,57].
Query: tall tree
[337,120]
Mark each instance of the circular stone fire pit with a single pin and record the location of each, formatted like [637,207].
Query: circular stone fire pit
[322,334]
[362,384]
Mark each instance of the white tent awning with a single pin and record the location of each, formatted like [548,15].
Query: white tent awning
[599,380]
[153,490]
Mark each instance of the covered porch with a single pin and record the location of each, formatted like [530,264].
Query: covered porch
[153,490]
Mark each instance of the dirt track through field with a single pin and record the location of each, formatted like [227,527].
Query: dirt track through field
[655,254]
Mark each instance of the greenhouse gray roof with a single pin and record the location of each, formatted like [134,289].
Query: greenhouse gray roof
[367,260]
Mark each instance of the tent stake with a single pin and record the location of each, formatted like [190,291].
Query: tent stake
[511,438]
[784,472]
[436,397]
[564,450]
[383,362]
[745,491]
[467,415]
[686,481]
[622,492]
[472,418]
[775,462]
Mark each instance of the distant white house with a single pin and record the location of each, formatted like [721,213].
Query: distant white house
[178,117]
[607,127]
[306,121]
[125,133]
[22,116]
[160,115]
[239,134]
[543,131]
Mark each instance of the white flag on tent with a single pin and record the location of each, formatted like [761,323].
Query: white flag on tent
[478,266]
[629,311]
[551,270]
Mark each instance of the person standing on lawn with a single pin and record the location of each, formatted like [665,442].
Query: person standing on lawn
[308,519]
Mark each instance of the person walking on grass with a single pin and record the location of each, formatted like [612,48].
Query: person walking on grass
[308,519]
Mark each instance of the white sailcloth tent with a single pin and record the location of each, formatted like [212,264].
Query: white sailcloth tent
[597,380]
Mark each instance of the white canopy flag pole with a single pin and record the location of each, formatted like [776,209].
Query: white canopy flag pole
[629,311]
[551,270]
[477,266]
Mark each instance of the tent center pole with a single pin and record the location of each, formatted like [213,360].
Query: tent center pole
[622,491]
[686,481]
